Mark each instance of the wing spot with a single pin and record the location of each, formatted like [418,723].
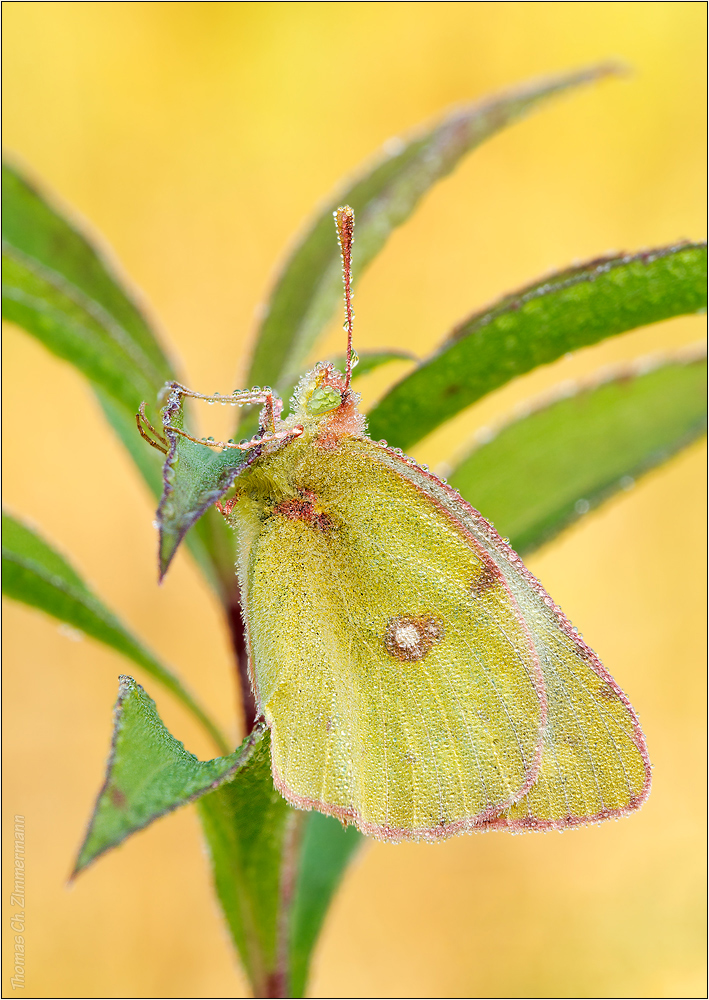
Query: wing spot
[486,577]
[304,508]
[410,637]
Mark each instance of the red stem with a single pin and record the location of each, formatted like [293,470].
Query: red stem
[237,631]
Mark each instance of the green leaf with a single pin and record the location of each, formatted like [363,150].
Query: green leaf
[59,288]
[384,195]
[211,541]
[327,848]
[149,773]
[36,574]
[533,327]
[194,477]
[578,448]
[275,868]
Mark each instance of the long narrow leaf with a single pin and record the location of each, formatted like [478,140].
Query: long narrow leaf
[584,444]
[36,574]
[149,773]
[383,195]
[538,325]
[327,849]
[59,288]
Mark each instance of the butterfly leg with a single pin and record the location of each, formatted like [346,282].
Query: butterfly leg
[148,432]
[272,407]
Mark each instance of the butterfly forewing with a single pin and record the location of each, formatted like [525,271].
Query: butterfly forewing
[390,657]
[594,761]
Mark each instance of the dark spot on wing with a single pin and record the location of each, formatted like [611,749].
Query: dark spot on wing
[486,577]
[607,692]
[304,508]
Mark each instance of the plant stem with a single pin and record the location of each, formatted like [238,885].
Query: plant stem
[278,982]
[237,631]
[220,544]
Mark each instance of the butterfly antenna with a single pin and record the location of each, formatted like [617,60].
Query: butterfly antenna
[344,220]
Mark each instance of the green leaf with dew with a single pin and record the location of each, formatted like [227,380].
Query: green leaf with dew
[36,574]
[149,773]
[275,868]
[195,476]
[583,444]
[566,311]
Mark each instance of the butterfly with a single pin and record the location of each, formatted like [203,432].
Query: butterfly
[416,678]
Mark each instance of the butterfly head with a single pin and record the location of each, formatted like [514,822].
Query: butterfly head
[324,405]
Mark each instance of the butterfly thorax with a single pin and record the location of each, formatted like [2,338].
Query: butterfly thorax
[289,477]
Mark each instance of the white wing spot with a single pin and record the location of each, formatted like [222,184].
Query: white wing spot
[410,637]
[406,636]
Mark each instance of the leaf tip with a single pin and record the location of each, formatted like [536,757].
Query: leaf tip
[166,553]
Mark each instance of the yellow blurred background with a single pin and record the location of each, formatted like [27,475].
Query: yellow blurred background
[196,138]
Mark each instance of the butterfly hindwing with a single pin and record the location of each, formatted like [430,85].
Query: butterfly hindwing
[390,658]
[594,762]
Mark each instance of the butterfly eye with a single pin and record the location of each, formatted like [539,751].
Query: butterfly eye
[323,399]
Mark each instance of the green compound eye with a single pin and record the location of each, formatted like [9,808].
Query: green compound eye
[323,399]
